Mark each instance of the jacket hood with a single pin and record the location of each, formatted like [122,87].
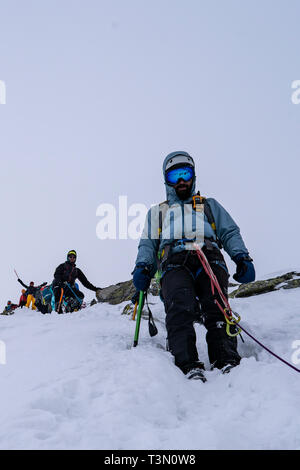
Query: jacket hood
[170,191]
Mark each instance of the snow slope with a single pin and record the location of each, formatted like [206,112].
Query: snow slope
[75,382]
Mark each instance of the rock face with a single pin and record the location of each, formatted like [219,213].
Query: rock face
[123,291]
[286,281]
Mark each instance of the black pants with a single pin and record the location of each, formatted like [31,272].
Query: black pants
[72,293]
[184,286]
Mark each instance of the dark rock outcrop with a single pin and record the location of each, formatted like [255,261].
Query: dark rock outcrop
[286,281]
[123,291]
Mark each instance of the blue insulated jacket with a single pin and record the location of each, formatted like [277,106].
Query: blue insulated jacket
[151,243]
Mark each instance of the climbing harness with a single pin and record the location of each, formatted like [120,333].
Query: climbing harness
[231,317]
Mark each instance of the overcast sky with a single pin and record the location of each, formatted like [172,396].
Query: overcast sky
[98,92]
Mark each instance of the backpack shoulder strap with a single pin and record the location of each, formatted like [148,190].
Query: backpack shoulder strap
[209,215]
[211,221]
[163,207]
[198,203]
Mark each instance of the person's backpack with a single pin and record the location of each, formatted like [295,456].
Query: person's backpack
[44,299]
[46,293]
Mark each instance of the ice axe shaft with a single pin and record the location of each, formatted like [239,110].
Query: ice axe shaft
[138,319]
[60,300]
[134,311]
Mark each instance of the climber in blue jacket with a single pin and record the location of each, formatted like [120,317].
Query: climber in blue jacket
[167,243]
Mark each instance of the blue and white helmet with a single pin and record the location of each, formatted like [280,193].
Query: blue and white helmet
[179,158]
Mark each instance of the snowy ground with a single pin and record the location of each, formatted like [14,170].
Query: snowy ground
[75,382]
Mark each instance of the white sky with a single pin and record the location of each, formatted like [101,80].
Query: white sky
[98,92]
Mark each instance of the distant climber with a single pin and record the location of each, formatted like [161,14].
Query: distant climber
[64,282]
[23,299]
[9,308]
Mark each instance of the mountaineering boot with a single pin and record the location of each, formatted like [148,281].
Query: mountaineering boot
[195,371]
[196,374]
[222,349]
[226,369]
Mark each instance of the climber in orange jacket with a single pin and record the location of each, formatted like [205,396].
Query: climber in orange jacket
[23,299]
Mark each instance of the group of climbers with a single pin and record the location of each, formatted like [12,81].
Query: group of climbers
[10,307]
[168,244]
[64,288]
[30,293]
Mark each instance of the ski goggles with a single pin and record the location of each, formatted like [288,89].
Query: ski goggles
[186,173]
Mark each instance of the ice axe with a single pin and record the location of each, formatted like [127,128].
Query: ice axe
[60,299]
[151,325]
[138,319]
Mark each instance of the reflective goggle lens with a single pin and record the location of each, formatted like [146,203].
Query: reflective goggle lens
[185,172]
